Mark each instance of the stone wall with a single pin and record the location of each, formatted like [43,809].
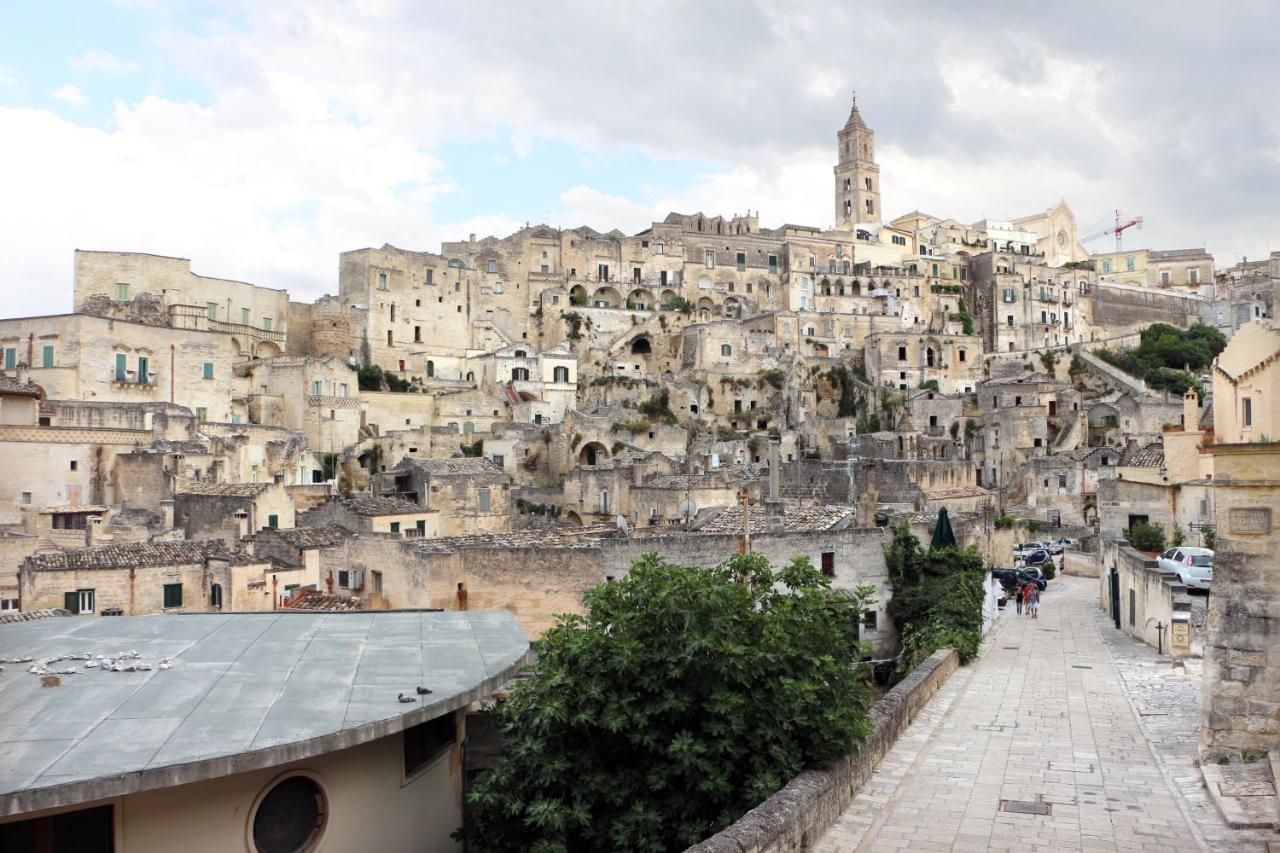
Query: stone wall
[1121,308]
[1148,597]
[797,815]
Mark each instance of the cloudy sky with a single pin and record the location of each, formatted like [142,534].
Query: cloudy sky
[261,139]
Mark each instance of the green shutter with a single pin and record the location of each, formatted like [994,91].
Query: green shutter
[47,356]
[122,366]
[144,369]
[173,595]
[273,521]
[395,527]
[10,358]
[71,601]
[208,370]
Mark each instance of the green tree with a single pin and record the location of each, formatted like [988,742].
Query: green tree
[682,698]
[1146,537]
[937,597]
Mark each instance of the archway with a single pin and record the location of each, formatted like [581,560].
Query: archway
[641,346]
[640,299]
[578,295]
[571,517]
[668,295]
[592,453]
[732,307]
[268,349]
[606,297]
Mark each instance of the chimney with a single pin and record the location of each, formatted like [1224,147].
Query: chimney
[775,474]
[473,238]
[166,507]
[242,522]
[1190,411]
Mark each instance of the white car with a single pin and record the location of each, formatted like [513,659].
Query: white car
[1193,566]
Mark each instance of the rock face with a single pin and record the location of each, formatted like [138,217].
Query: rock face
[145,308]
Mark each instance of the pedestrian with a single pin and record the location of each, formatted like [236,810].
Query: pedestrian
[1033,601]
[1018,598]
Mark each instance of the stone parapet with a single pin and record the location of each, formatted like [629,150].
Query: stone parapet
[798,814]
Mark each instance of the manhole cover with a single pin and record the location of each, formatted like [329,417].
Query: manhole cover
[1026,807]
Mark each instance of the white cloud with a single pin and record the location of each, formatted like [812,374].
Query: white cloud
[71,95]
[101,62]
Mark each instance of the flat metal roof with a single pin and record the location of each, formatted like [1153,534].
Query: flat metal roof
[245,691]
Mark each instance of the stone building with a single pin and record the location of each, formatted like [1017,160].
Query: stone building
[231,511]
[910,360]
[471,495]
[368,514]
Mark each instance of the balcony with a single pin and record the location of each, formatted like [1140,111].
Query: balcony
[130,379]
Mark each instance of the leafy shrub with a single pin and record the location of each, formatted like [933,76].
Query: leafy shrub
[1146,537]
[937,597]
[682,698]
[773,377]
[929,385]
[1006,522]
[658,408]
[868,424]
[680,304]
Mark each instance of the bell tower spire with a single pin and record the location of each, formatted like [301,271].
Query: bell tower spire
[857,176]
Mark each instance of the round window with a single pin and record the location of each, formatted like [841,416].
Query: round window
[290,817]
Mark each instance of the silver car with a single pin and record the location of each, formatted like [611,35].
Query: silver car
[1193,566]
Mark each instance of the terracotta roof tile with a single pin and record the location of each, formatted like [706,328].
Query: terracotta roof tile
[133,555]
[222,490]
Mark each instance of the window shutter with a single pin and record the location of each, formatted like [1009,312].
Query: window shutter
[71,601]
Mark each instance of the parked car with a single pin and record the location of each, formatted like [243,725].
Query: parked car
[1034,558]
[1012,578]
[1030,546]
[1068,542]
[1193,566]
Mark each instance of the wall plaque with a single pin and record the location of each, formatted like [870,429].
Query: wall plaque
[1250,520]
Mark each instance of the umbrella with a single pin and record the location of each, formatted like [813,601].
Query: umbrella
[943,537]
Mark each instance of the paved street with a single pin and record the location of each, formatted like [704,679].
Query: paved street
[1061,711]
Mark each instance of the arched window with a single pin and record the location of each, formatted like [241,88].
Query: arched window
[521,354]
[215,596]
[431,368]
[561,374]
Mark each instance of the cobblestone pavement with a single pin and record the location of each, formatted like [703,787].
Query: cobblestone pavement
[1049,715]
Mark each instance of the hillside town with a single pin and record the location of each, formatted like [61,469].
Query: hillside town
[506,423]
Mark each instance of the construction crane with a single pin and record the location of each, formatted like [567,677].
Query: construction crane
[1118,229]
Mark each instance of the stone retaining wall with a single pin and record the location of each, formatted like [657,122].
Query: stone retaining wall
[798,815]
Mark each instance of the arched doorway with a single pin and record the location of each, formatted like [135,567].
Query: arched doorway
[592,453]
[641,346]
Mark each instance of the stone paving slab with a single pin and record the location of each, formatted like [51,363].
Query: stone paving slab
[1048,714]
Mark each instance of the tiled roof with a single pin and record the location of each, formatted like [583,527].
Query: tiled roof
[133,555]
[461,465]
[796,518]
[222,490]
[96,509]
[314,600]
[12,387]
[562,537]
[1151,456]
[370,505]
[313,537]
[30,615]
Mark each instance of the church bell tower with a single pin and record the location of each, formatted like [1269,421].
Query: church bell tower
[857,175]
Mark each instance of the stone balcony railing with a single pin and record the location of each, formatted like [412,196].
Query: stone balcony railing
[197,317]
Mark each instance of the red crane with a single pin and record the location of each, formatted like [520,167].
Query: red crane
[1118,229]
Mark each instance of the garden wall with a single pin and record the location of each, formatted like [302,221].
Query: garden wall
[798,814]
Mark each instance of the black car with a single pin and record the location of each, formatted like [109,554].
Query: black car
[1013,578]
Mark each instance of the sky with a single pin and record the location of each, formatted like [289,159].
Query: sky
[262,139]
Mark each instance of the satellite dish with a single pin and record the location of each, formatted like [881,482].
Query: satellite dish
[688,508]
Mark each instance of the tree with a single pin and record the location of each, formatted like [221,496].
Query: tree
[1146,537]
[682,698]
[937,597]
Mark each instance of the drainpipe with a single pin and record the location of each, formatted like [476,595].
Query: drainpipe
[172,357]
[133,576]
[275,582]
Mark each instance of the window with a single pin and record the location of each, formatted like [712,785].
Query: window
[497,287]
[867,182]
[725,349]
[1164,277]
[1246,416]
[122,364]
[79,601]
[172,595]
[659,248]
[561,374]
[316,388]
[870,619]
[1193,276]
[144,365]
[829,563]
[492,266]
[26,498]
[246,317]
[122,292]
[1106,265]
[871,208]
[266,324]
[290,817]
[1009,322]
[773,263]
[962,355]
[902,353]
[426,742]
[741,260]
[417,334]
[710,259]
[1128,264]
[484,500]
[211,309]
[215,595]
[519,374]
[11,358]
[208,370]
[395,527]
[87,830]
[73,465]
[46,356]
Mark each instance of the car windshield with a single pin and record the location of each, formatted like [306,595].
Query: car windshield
[1201,560]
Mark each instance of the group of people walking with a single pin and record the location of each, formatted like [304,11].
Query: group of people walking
[1028,596]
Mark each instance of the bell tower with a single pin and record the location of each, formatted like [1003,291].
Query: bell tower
[857,175]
